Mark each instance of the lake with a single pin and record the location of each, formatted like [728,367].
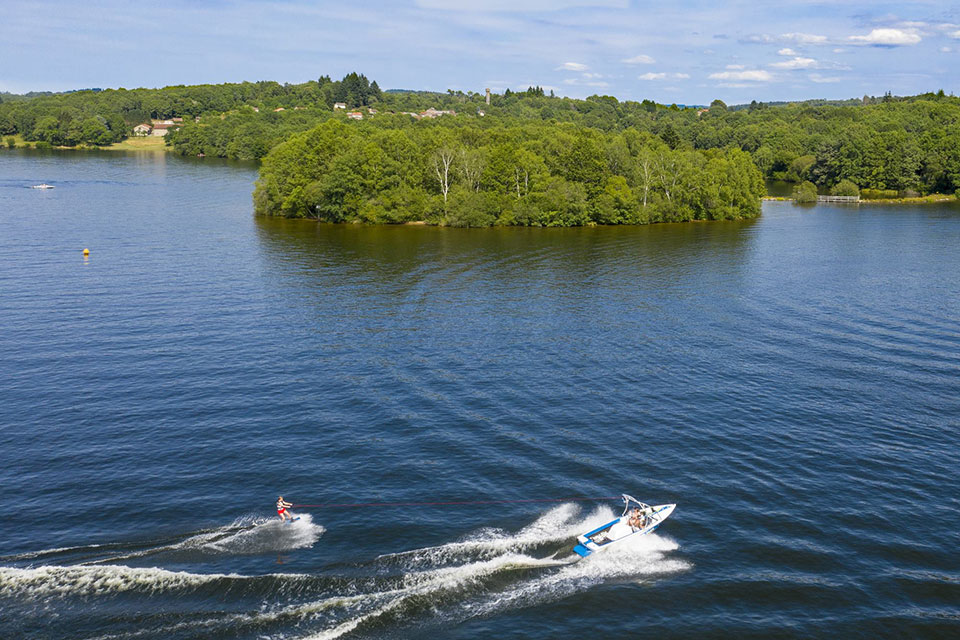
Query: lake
[792,383]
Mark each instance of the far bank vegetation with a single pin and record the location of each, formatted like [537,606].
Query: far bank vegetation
[889,147]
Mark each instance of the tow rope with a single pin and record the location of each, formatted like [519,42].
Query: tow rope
[332,505]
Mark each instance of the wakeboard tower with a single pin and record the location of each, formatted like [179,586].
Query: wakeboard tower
[649,519]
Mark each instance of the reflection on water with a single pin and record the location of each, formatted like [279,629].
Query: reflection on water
[404,260]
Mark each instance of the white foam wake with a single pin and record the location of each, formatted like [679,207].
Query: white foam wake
[557,525]
[481,574]
[265,536]
[635,558]
[246,535]
[432,584]
[83,580]
[462,586]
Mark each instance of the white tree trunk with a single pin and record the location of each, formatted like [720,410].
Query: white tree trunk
[645,172]
[471,166]
[668,174]
[442,161]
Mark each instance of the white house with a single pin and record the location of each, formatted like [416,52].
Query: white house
[141,130]
[339,105]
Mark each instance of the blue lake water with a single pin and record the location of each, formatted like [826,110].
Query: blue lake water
[792,383]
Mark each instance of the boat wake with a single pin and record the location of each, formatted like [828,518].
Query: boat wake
[481,574]
[244,536]
[491,571]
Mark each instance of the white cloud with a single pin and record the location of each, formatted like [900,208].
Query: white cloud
[795,63]
[888,38]
[752,75]
[816,77]
[586,83]
[787,52]
[839,50]
[954,34]
[572,66]
[945,49]
[735,66]
[519,5]
[663,76]
[593,75]
[804,38]
[640,59]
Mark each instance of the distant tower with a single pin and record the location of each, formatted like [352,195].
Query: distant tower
[488,95]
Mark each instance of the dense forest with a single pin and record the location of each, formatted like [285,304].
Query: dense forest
[451,171]
[901,145]
[101,117]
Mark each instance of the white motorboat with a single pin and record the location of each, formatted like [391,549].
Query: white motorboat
[42,186]
[640,520]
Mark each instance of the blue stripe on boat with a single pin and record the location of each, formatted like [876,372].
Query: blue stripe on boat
[599,529]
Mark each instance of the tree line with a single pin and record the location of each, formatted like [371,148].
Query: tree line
[899,144]
[101,117]
[531,173]
[889,143]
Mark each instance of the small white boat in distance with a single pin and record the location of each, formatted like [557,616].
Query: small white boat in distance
[640,520]
[42,186]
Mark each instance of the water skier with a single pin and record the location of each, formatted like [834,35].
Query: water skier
[282,506]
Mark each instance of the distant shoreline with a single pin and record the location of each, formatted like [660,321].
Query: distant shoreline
[151,144]
[155,144]
[932,198]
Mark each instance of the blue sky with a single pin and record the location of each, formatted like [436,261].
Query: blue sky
[686,52]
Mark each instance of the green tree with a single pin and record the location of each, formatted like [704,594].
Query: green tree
[805,193]
[845,188]
[617,204]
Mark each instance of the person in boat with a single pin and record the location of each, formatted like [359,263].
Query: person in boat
[637,520]
[282,506]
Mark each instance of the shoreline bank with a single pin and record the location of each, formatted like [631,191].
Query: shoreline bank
[932,198]
[153,144]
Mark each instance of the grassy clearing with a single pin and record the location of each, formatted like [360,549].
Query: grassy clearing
[146,143]
[933,197]
[18,141]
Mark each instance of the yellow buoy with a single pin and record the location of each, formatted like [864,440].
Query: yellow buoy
[86,252]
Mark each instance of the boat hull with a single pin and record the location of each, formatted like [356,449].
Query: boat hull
[618,530]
